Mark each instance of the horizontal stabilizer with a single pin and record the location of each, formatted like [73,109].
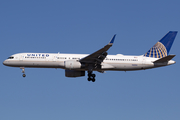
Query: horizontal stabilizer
[164,59]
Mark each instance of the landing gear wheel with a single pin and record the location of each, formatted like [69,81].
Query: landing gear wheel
[24,75]
[23,71]
[93,80]
[91,77]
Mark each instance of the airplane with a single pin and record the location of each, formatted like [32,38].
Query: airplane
[75,65]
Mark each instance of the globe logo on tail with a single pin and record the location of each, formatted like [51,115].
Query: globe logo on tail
[157,51]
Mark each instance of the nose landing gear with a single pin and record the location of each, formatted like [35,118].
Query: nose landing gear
[24,75]
[23,71]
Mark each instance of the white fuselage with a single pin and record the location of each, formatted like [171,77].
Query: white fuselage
[111,62]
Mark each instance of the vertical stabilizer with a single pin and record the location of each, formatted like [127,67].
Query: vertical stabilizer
[161,49]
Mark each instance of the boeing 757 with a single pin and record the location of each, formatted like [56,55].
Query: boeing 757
[75,65]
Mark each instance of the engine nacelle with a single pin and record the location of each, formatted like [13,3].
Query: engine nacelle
[106,66]
[74,73]
[72,64]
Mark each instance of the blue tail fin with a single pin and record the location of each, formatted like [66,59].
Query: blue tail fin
[161,49]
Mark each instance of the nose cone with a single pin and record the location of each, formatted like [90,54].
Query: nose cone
[5,63]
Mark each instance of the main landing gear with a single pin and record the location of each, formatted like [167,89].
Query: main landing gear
[91,77]
[23,71]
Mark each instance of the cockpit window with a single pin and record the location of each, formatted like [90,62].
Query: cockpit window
[11,57]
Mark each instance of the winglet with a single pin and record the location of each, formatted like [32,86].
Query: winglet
[112,40]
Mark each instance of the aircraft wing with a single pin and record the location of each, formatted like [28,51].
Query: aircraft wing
[98,56]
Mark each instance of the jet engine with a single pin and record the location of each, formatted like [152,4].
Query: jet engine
[72,64]
[74,73]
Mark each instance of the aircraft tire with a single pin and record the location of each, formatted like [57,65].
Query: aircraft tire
[24,75]
[89,79]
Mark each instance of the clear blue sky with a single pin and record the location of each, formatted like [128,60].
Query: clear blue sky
[84,26]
